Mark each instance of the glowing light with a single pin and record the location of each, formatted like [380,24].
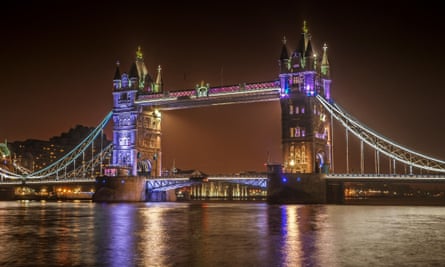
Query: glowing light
[139,54]
[157,113]
[292,163]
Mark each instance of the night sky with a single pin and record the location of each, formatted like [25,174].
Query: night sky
[58,61]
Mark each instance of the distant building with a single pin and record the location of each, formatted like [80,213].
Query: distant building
[5,155]
[37,154]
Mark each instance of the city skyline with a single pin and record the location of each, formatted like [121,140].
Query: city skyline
[385,63]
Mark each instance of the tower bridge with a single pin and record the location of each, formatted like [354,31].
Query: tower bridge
[308,113]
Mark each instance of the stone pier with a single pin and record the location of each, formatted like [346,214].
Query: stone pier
[120,189]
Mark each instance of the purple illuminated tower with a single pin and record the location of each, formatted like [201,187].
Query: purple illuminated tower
[306,134]
[137,130]
[124,117]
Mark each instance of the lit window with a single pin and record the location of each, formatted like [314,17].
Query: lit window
[297,132]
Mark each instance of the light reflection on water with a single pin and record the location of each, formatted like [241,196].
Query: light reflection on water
[219,234]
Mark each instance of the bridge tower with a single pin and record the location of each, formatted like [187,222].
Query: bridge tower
[125,179]
[137,130]
[124,119]
[149,133]
[306,134]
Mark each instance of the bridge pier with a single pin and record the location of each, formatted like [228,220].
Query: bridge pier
[295,188]
[335,192]
[7,193]
[120,189]
[162,196]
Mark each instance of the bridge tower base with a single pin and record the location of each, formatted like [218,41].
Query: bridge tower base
[120,189]
[295,188]
[163,196]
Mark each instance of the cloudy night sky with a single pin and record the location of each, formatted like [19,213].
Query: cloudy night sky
[58,61]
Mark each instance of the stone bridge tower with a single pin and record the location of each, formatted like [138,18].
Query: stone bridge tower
[137,130]
[124,124]
[306,132]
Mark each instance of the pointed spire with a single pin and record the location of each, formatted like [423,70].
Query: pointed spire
[284,53]
[325,61]
[305,28]
[157,86]
[139,55]
[117,74]
[309,52]
[159,77]
[133,71]
[301,46]
[117,77]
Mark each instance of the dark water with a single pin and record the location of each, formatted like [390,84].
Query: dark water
[219,234]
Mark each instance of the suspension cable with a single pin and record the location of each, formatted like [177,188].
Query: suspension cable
[389,148]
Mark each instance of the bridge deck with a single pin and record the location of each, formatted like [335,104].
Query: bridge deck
[245,93]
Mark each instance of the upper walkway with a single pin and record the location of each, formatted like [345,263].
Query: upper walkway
[203,96]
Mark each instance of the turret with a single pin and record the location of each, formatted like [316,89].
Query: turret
[284,58]
[325,73]
[303,58]
[325,63]
[157,86]
[133,75]
[144,79]
[309,57]
[117,77]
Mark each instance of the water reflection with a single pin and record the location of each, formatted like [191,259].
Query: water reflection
[299,228]
[114,234]
[218,234]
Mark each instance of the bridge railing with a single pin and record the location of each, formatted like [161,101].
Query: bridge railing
[379,175]
[221,90]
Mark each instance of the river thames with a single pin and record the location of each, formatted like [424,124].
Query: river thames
[34,233]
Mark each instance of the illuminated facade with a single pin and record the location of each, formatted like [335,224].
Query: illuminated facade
[306,132]
[136,130]
[5,154]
